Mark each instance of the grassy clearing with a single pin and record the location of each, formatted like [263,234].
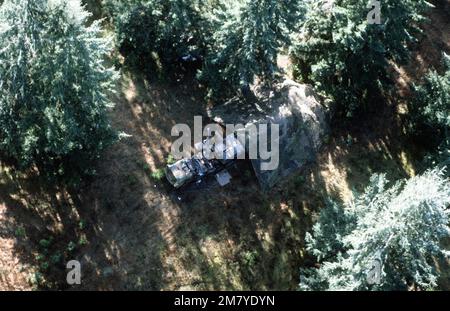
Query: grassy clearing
[129,232]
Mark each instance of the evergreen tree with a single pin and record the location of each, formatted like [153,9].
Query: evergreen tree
[114,9]
[345,56]
[161,32]
[433,97]
[247,44]
[430,112]
[53,86]
[400,226]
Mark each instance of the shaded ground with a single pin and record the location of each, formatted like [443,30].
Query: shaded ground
[129,232]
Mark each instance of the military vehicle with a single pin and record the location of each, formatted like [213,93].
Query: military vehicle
[212,157]
[302,120]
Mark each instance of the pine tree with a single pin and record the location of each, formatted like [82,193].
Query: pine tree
[160,32]
[433,97]
[114,9]
[430,112]
[53,86]
[345,56]
[401,226]
[247,44]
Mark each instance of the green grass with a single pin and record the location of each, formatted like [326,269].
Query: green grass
[158,175]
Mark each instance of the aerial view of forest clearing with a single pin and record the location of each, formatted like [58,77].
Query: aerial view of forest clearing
[117,214]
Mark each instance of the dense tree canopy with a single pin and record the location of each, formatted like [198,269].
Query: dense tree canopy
[53,85]
[159,33]
[345,56]
[235,41]
[433,97]
[248,42]
[430,109]
[402,226]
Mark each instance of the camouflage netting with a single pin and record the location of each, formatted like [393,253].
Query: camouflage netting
[300,115]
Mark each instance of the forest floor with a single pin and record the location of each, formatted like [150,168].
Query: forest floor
[130,232]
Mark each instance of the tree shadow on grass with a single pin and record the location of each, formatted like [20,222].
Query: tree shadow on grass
[109,223]
[129,232]
[89,224]
[240,238]
[50,230]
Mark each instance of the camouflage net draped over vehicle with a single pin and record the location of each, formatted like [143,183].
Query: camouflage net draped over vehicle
[297,110]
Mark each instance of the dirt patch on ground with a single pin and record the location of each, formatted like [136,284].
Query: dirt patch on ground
[130,232]
[13,273]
